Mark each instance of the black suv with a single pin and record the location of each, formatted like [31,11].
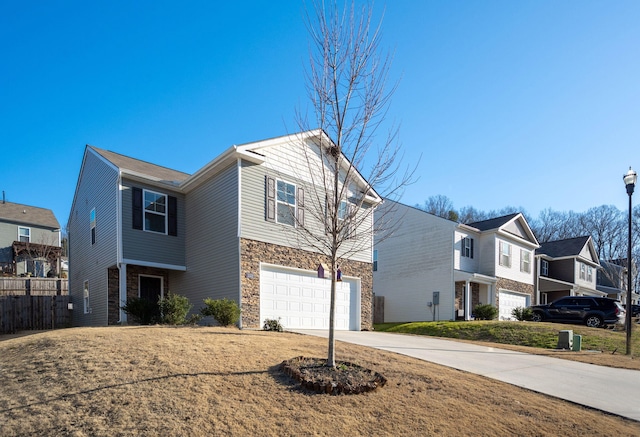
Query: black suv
[594,312]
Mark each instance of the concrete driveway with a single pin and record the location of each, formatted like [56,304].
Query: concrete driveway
[615,391]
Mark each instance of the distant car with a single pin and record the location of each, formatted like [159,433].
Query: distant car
[594,312]
[635,310]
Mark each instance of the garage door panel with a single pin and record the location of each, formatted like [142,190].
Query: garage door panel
[507,301]
[303,300]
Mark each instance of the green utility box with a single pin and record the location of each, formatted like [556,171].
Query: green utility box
[577,343]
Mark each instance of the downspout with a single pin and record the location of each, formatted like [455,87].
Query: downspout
[239,226]
[122,268]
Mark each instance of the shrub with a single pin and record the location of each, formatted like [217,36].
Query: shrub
[225,311]
[142,310]
[272,325]
[485,312]
[522,314]
[174,309]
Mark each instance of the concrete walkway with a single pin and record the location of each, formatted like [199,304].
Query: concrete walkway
[616,391]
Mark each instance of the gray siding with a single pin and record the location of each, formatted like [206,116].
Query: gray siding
[256,227]
[9,234]
[152,247]
[97,188]
[213,247]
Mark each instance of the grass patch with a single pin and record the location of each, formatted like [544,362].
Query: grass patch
[529,334]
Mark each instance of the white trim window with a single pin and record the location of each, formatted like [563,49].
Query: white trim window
[505,254]
[285,203]
[92,219]
[155,212]
[24,234]
[544,267]
[85,297]
[525,261]
[467,247]
[375,260]
[590,273]
[583,271]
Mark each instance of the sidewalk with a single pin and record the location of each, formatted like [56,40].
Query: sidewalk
[615,391]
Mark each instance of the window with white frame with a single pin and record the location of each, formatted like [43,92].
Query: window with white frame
[589,273]
[505,254]
[24,234]
[155,212]
[286,203]
[93,226]
[375,260]
[85,297]
[525,261]
[467,247]
[544,267]
[583,271]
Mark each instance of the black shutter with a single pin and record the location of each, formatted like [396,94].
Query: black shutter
[173,216]
[471,247]
[270,199]
[136,208]
[300,202]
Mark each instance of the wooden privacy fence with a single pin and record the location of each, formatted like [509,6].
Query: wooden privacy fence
[33,286]
[24,313]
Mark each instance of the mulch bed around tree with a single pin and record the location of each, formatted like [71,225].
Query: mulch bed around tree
[344,378]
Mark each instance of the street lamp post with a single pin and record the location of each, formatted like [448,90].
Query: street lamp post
[630,183]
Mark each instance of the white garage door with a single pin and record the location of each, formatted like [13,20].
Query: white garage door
[507,301]
[302,300]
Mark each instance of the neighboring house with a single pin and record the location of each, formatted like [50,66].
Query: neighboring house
[434,269]
[29,241]
[612,280]
[226,231]
[566,268]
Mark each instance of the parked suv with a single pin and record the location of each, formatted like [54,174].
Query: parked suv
[594,312]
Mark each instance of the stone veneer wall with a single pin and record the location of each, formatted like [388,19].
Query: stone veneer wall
[511,285]
[252,253]
[132,286]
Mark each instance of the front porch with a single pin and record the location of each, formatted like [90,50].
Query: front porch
[472,289]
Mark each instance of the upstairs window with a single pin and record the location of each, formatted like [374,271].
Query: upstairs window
[544,267]
[467,247]
[505,254]
[284,202]
[155,212]
[525,261]
[589,273]
[93,225]
[24,234]
[583,271]
[375,260]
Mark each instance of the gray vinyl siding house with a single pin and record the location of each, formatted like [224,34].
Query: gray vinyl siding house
[29,240]
[212,234]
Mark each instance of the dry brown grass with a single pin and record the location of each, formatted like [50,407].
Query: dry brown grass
[215,381]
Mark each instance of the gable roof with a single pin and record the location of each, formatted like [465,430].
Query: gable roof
[142,168]
[494,223]
[568,248]
[28,215]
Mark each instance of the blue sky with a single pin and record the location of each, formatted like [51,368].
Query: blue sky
[506,103]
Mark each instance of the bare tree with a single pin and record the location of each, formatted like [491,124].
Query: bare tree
[441,206]
[347,87]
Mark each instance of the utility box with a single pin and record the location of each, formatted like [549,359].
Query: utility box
[565,339]
[577,343]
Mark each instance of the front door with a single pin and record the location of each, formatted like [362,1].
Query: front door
[151,288]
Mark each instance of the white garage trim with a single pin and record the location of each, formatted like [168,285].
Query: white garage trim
[508,300]
[302,300]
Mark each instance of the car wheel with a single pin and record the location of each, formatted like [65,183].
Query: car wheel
[536,317]
[594,321]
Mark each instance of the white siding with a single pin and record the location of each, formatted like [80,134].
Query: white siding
[513,272]
[464,263]
[413,263]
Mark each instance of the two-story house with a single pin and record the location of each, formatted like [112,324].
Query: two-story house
[566,267]
[29,241]
[230,230]
[432,268]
